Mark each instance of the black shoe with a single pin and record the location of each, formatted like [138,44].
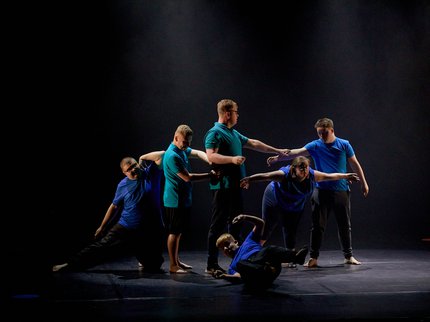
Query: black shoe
[214,267]
[301,256]
[154,270]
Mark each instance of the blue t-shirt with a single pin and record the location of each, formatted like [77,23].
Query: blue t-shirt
[134,196]
[177,192]
[156,182]
[250,246]
[292,195]
[331,158]
[228,142]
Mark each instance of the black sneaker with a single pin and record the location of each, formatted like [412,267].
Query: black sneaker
[301,255]
[214,267]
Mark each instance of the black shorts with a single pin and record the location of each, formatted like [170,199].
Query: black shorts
[177,219]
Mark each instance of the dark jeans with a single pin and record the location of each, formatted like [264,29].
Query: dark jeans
[325,202]
[226,204]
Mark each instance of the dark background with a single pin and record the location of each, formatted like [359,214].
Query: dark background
[88,84]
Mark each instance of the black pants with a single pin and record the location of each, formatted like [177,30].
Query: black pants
[144,243]
[325,202]
[226,204]
[273,214]
[263,267]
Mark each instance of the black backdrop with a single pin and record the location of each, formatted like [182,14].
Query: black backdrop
[92,83]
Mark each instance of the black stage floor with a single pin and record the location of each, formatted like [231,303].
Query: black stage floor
[390,285]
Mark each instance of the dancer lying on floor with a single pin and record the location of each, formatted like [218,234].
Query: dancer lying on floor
[253,264]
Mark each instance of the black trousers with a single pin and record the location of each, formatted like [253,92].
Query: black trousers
[325,202]
[263,267]
[144,243]
[226,204]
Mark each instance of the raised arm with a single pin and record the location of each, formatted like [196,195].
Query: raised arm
[356,167]
[156,156]
[289,156]
[277,175]
[257,221]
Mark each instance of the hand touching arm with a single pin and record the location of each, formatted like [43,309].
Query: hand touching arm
[259,146]
[289,156]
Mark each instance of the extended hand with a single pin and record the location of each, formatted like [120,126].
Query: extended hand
[215,174]
[244,183]
[271,160]
[285,152]
[353,177]
[238,219]
[238,160]
[98,232]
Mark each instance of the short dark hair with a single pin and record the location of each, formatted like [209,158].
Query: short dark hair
[324,122]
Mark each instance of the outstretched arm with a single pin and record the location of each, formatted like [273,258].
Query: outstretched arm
[267,176]
[322,176]
[289,156]
[259,146]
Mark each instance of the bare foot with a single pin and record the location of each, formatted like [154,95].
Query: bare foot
[177,270]
[57,268]
[313,262]
[351,261]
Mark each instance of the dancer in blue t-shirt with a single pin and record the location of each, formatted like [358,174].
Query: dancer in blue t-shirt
[330,154]
[285,196]
[139,227]
[252,263]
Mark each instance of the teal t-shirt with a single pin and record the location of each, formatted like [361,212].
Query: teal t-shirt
[177,192]
[228,142]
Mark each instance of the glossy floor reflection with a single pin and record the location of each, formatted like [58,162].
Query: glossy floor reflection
[391,284]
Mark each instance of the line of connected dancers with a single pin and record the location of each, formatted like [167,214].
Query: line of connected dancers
[154,199]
